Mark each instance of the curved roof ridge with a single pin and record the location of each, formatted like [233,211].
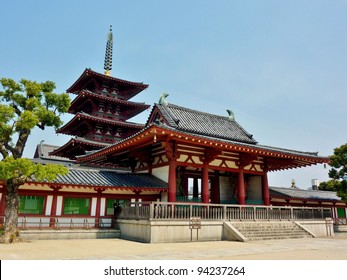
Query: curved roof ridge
[191,120]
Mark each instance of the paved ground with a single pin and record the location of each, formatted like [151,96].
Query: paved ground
[334,248]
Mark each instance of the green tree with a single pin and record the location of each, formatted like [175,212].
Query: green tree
[338,162]
[24,106]
[338,173]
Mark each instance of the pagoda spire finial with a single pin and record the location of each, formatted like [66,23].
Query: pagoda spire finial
[108,54]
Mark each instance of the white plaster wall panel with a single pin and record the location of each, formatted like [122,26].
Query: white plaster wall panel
[164,197]
[93,206]
[231,164]
[182,158]
[49,201]
[161,173]
[103,206]
[59,205]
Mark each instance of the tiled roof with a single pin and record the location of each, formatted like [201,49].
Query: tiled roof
[132,108]
[84,116]
[77,146]
[88,73]
[303,194]
[188,120]
[108,178]
[246,145]
[43,153]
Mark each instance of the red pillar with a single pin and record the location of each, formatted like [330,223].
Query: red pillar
[54,207]
[266,193]
[241,188]
[137,196]
[97,210]
[172,180]
[205,193]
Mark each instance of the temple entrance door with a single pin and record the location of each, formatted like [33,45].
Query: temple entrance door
[194,189]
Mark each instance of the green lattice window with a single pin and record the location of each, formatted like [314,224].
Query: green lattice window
[31,204]
[110,204]
[76,206]
[341,212]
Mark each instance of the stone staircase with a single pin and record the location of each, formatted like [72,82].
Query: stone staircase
[266,230]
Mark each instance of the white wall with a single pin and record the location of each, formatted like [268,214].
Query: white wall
[161,173]
[93,206]
[59,205]
[49,205]
[103,207]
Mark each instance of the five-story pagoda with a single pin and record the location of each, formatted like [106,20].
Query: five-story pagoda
[102,109]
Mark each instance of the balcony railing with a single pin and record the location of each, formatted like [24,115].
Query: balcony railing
[176,211]
[185,211]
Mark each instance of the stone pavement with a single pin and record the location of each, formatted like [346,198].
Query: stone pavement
[330,248]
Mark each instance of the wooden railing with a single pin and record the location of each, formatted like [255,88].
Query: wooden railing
[59,222]
[177,211]
[340,221]
[185,211]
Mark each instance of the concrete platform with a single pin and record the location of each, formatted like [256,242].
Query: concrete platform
[329,248]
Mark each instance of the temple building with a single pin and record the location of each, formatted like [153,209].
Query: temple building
[179,144]
[179,155]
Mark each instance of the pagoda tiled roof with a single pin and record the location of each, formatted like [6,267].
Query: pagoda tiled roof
[76,143]
[204,124]
[90,74]
[137,107]
[113,99]
[296,193]
[109,178]
[85,116]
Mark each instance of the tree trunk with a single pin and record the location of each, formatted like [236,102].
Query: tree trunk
[11,233]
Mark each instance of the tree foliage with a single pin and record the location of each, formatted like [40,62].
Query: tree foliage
[338,173]
[24,106]
[22,170]
[338,162]
[339,186]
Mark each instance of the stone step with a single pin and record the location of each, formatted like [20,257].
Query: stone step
[270,230]
[264,226]
[250,234]
[276,237]
[267,229]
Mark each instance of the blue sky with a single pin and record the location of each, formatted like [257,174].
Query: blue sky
[279,65]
